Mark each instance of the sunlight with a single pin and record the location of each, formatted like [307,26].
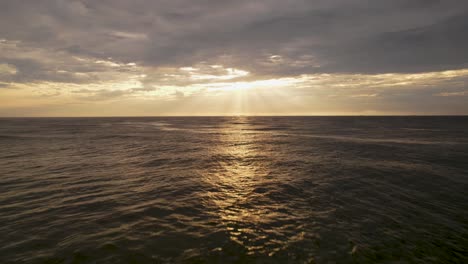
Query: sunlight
[269,83]
[241,172]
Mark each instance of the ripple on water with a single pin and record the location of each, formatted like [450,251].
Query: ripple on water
[233,190]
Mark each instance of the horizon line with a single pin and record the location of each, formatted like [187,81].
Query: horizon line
[142,116]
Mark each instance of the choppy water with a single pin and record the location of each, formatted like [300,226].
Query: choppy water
[234,190]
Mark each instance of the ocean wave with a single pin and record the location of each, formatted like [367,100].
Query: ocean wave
[250,190]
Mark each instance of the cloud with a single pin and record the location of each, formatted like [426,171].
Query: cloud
[445,94]
[7,69]
[179,94]
[118,49]
[311,36]
[22,63]
[105,94]
[4,85]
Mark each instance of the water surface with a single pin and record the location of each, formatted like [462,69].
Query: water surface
[234,190]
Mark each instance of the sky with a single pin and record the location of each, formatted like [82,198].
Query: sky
[215,57]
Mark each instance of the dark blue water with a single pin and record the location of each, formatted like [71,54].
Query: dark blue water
[234,190]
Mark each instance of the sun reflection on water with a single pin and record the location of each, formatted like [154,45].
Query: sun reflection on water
[240,170]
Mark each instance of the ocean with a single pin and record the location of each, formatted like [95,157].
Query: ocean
[234,190]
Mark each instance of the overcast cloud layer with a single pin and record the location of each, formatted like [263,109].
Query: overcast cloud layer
[103,50]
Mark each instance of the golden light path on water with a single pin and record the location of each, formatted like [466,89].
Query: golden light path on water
[238,178]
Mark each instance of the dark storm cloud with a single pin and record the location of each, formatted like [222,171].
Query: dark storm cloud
[334,36]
